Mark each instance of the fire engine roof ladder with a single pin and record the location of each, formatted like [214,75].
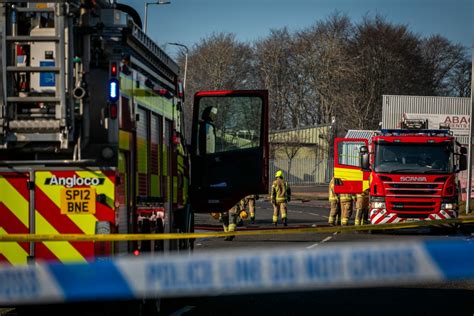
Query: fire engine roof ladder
[39,126]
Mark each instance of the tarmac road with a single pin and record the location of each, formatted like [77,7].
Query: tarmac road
[453,298]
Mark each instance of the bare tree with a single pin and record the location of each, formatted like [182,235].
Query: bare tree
[217,62]
[326,66]
[443,58]
[272,60]
[459,79]
[388,60]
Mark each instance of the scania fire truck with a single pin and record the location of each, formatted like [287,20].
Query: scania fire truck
[411,173]
[92,134]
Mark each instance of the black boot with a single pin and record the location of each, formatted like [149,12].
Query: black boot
[252,220]
[285,222]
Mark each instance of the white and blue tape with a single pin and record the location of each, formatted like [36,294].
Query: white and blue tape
[235,271]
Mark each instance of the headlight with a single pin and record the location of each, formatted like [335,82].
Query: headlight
[448,206]
[377,204]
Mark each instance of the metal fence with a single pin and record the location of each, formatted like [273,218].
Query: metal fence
[306,171]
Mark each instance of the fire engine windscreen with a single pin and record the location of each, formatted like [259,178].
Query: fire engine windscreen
[414,158]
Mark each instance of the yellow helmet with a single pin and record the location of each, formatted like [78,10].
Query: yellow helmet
[279,174]
[215,215]
[243,214]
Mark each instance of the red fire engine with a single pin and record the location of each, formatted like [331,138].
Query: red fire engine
[411,174]
[92,134]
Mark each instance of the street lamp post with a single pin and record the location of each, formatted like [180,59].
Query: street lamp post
[146,10]
[185,61]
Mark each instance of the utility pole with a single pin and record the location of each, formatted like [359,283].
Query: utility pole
[185,61]
[146,11]
[469,151]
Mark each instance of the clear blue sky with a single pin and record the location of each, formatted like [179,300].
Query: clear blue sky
[188,21]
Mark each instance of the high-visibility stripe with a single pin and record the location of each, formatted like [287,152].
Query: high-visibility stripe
[12,251]
[124,140]
[348,174]
[142,151]
[63,250]
[14,201]
[10,222]
[155,185]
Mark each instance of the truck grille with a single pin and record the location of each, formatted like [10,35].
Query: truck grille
[417,189]
[402,207]
[413,199]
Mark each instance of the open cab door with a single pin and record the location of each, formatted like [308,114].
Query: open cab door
[348,174]
[229,150]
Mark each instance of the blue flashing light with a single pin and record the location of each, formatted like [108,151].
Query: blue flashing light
[113,90]
[430,132]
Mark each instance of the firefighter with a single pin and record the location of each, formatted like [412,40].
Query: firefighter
[229,220]
[362,207]
[249,202]
[207,131]
[346,207]
[281,195]
[335,205]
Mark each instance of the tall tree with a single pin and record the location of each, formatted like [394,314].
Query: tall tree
[326,66]
[273,65]
[444,59]
[388,60]
[217,62]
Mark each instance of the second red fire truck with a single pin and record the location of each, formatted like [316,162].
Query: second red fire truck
[411,173]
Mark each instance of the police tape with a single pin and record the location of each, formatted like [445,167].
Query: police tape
[286,230]
[241,272]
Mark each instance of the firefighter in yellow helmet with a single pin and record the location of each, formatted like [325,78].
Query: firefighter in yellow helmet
[335,204]
[280,195]
[230,219]
[248,203]
[362,207]
[346,207]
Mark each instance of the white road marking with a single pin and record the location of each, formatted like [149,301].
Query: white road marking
[328,238]
[182,311]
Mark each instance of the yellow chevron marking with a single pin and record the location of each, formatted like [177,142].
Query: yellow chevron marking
[108,188]
[63,250]
[14,253]
[85,222]
[14,201]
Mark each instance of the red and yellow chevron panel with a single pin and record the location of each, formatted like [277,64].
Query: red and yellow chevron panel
[66,202]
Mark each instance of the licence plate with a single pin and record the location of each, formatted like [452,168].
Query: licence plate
[78,201]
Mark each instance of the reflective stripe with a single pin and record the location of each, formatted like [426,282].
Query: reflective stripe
[14,253]
[124,140]
[14,201]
